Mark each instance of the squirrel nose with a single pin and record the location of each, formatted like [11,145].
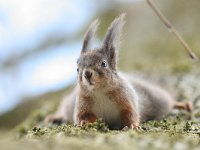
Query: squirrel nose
[88,74]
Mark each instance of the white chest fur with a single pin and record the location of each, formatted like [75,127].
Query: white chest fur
[106,109]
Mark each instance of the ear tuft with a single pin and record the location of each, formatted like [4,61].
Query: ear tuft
[112,38]
[89,35]
[111,41]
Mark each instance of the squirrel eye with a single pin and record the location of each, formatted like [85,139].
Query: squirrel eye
[77,69]
[104,64]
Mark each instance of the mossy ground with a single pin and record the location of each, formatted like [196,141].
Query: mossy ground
[175,131]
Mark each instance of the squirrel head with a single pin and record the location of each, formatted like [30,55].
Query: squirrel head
[96,67]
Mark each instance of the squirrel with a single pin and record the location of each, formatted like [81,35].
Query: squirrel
[103,92]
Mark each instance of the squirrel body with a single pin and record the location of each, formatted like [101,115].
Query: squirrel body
[120,100]
[109,103]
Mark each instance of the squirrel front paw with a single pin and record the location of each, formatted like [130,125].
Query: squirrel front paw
[84,122]
[133,127]
[84,118]
[54,119]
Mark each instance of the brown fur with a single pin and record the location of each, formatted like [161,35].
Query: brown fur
[86,116]
[129,118]
[84,112]
[183,105]
[129,115]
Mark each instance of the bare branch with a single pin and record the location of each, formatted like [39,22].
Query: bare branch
[172,29]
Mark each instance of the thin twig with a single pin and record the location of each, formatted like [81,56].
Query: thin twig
[172,29]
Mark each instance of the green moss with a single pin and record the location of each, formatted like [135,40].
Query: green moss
[172,131]
[68,130]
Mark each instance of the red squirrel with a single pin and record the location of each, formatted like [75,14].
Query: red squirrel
[102,92]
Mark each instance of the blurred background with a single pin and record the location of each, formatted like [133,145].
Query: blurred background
[40,41]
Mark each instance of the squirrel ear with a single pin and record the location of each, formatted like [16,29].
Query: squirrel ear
[112,39]
[89,36]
